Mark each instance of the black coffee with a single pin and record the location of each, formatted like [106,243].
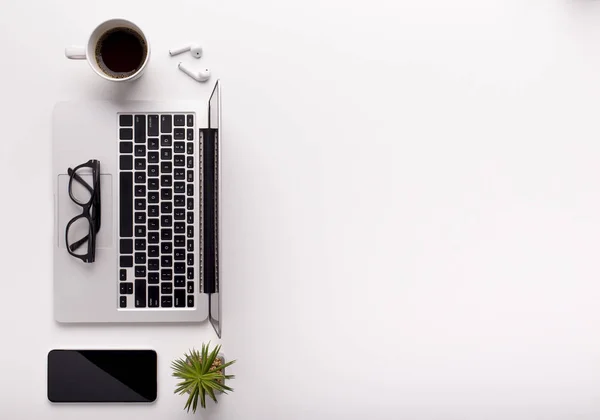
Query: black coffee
[120,52]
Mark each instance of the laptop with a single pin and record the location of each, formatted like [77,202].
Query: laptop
[153,170]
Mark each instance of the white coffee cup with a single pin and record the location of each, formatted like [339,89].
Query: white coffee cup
[89,52]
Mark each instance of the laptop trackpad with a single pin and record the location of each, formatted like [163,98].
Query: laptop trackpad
[67,210]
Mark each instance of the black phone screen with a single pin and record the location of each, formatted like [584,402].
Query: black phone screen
[102,375]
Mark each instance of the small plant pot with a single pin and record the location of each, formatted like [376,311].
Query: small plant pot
[221,359]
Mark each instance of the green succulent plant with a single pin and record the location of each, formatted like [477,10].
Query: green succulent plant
[201,372]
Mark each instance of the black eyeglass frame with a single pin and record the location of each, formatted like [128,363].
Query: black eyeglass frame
[91,211]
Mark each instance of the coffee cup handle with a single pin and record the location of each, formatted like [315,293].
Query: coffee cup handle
[75,53]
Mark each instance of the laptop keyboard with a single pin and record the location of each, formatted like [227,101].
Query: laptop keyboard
[157,215]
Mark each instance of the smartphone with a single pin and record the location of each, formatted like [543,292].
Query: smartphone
[103,376]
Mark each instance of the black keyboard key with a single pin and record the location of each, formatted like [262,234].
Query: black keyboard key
[190,176]
[126,246]
[122,274]
[190,162]
[166,221]
[153,264]
[190,147]
[140,231]
[140,190]
[140,129]
[166,193]
[166,167]
[190,120]
[126,204]
[140,244]
[153,125]
[166,274]
[179,147]
[179,160]
[153,224]
[190,245]
[179,187]
[153,184]
[166,207]
[179,298]
[153,211]
[140,217]
[166,124]
[179,268]
[140,150]
[179,120]
[126,120]
[166,180]
[179,281]
[153,143]
[140,177]
[179,201]
[179,254]
[190,273]
[166,141]
[153,237]
[190,301]
[123,302]
[126,134]
[126,288]
[140,258]
[190,287]
[190,231]
[153,295]
[153,157]
[190,218]
[179,227]
[140,204]
[126,147]
[179,214]
[166,261]
[152,170]
[179,173]
[190,135]
[179,241]
[179,134]
[153,251]
[190,204]
[153,278]
[166,234]
[166,154]
[190,259]
[140,271]
[166,301]
[126,162]
[190,189]
[153,197]
[166,288]
[140,164]
[140,294]
[166,247]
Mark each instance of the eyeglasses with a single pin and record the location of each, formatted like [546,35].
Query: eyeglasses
[85,227]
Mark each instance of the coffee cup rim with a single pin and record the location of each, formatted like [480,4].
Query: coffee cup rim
[95,37]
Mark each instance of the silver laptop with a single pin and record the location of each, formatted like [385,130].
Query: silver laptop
[136,199]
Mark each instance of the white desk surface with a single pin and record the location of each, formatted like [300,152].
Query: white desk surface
[411,205]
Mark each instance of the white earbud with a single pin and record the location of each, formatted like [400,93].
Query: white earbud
[194,49]
[200,76]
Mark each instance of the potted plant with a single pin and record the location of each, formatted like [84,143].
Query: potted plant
[201,372]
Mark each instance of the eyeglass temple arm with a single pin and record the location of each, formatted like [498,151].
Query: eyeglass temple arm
[80,179]
[73,247]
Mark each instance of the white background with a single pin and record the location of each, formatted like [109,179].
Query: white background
[411,204]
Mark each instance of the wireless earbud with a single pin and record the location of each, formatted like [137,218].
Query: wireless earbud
[200,76]
[194,49]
